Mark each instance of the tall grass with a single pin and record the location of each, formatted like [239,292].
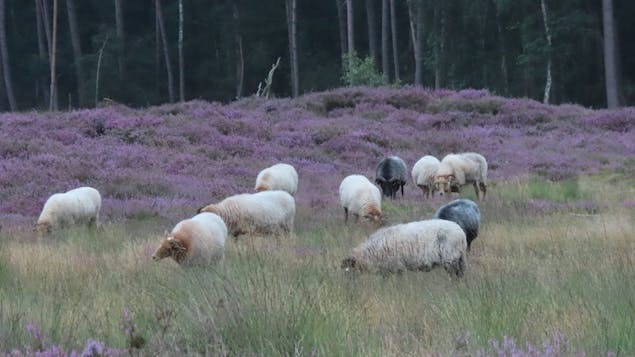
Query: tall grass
[535,270]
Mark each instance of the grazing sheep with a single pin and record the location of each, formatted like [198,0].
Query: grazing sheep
[361,198]
[196,241]
[411,246]
[390,175]
[266,212]
[456,170]
[465,213]
[277,177]
[77,206]
[423,174]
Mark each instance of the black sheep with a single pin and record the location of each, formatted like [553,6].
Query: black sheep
[390,175]
[465,213]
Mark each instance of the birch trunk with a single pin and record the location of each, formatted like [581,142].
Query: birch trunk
[293,49]
[166,52]
[181,65]
[549,79]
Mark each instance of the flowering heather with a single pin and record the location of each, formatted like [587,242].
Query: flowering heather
[169,160]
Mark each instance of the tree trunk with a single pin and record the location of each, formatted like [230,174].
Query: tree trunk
[166,52]
[395,53]
[385,64]
[610,55]
[416,34]
[121,41]
[350,27]
[293,49]
[240,58]
[181,64]
[53,97]
[372,33]
[42,49]
[6,69]
[503,55]
[549,79]
[77,52]
[341,19]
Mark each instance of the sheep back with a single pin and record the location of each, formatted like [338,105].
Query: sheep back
[77,206]
[277,177]
[423,173]
[390,175]
[412,246]
[360,197]
[465,213]
[266,212]
[196,241]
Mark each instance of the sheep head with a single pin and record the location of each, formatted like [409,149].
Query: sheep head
[170,247]
[373,214]
[349,263]
[444,183]
[43,228]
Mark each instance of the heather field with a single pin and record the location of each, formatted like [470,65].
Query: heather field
[549,275]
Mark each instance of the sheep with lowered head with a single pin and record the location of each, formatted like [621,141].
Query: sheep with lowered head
[423,174]
[413,246]
[77,206]
[277,177]
[198,240]
[390,175]
[465,213]
[456,170]
[359,197]
[266,212]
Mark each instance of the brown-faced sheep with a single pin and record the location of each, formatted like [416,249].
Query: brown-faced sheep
[456,170]
[359,197]
[199,240]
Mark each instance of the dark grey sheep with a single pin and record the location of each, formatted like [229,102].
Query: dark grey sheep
[390,175]
[465,213]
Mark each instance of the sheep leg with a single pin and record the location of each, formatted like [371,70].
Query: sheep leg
[345,215]
[402,185]
[478,193]
[483,189]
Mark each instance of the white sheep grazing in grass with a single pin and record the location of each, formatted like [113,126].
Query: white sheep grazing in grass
[359,197]
[77,206]
[278,177]
[266,212]
[413,246]
[423,174]
[199,240]
[456,170]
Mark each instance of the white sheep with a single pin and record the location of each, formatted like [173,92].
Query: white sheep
[266,212]
[413,246]
[199,240]
[277,177]
[361,198]
[456,170]
[77,206]
[423,174]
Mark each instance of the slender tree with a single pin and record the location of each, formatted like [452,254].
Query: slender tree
[293,49]
[350,27]
[415,14]
[6,69]
[181,64]
[385,63]
[166,52]
[341,20]
[395,52]
[238,49]
[77,51]
[42,50]
[549,80]
[121,40]
[610,55]
[53,97]
[372,32]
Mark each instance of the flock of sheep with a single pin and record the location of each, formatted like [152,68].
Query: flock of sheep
[422,245]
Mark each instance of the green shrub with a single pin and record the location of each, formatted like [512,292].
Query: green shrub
[361,72]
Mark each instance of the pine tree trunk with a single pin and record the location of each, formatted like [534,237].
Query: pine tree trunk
[6,68]
[42,51]
[395,52]
[341,19]
[238,48]
[77,52]
[549,80]
[166,52]
[293,49]
[503,56]
[121,41]
[350,27]
[372,33]
[415,14]
[53,91]
[181,64]
[610,55]
[385,62]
